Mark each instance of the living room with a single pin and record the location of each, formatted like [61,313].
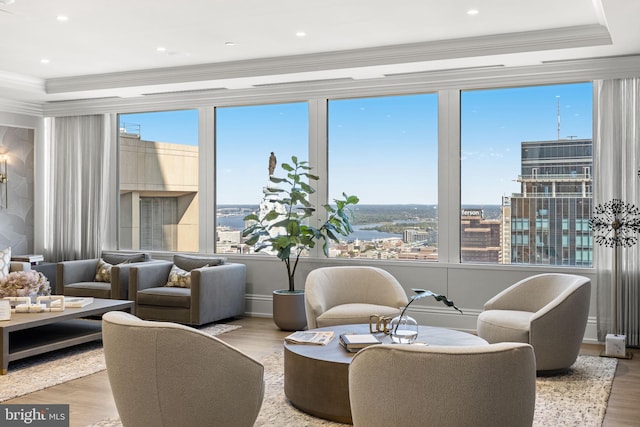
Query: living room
[426,50]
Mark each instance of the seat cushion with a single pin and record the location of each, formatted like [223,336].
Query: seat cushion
[165,297]
[88,289]
[504,326]
[346,314]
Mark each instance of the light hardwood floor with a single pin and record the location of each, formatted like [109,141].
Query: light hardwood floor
[90,397]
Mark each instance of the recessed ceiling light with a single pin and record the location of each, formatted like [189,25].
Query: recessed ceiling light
[229,44]
[301,34]
[44,61]
[473,12]
[161,49]
[62,18]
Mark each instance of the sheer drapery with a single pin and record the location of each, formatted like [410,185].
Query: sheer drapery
[616,163]
[77,201]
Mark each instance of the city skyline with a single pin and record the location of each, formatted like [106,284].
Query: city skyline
[493,124]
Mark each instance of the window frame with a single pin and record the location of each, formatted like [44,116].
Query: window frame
[448,146]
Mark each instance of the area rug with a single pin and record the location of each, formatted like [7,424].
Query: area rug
[578,398]
[49,369]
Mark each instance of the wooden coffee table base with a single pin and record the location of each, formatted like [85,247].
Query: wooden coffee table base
[319,388]
[29,334]
[316,377]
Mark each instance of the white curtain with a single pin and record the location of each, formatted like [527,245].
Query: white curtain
[617,165]
[77,202]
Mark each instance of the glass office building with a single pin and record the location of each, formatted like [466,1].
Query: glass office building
[550,216]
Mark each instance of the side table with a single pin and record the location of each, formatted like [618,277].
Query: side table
[49,271]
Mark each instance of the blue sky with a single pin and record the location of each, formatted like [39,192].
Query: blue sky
[384,149]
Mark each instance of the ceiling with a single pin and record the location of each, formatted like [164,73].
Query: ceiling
[132,48]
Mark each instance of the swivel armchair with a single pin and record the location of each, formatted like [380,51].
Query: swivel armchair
[165,374]
[548,311]
[347,295]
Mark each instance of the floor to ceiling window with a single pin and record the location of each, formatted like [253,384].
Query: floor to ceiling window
[384,150]
[245,138]
[526,175]
[159,181]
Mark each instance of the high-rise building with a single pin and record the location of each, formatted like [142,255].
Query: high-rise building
[479,237]
[550,217]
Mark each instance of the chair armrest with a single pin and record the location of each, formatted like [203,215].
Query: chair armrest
[82,270]
[220,289]
[145,275]
[19,266]
[570,311]
[120,278]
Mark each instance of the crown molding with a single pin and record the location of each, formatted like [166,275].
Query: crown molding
[21,107]
[397,84]
[558,38]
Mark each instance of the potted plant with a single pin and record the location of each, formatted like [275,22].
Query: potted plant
[282,226]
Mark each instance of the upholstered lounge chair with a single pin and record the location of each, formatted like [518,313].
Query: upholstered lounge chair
[217,290]
[414,386]
[165,374]
[347,295]
[78,277]
[548,311]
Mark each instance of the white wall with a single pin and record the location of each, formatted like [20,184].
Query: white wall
[468,285]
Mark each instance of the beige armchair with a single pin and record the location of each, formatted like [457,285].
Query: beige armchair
[165,374]
[347,295]
[548,311]
[414,386]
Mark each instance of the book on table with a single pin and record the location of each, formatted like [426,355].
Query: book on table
[353,342]
[306,337]
[73,302]
[30,258]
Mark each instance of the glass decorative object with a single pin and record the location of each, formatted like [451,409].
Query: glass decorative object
[404,329]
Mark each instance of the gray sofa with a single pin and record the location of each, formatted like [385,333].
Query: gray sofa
[78,277]
[216,291]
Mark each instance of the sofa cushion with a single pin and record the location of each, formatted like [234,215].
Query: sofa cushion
[88,289]
[118,257]
[190,262]
[165,297]
[5,261]
[179,278]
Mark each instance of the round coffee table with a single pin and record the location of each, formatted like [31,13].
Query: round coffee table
[316,377]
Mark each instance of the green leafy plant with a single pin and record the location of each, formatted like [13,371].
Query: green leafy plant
[285,229]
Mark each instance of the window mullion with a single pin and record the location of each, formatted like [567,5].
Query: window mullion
[449,176]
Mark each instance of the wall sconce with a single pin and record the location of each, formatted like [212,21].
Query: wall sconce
[3,179]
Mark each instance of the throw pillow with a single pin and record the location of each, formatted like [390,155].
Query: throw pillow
[179,278]
[5,261]
[103,271]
